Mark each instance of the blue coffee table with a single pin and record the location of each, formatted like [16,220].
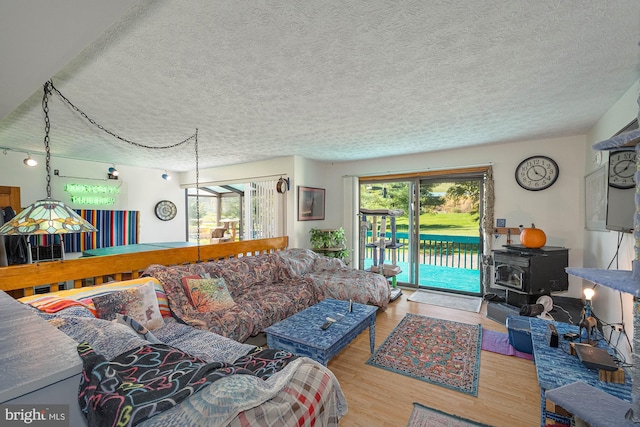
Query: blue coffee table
[301,333]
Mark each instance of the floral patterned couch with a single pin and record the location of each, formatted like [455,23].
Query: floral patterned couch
[333,279]
[267,288]
[263,288]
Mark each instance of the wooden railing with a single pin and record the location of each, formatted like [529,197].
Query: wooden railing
[442,250]
[21,280]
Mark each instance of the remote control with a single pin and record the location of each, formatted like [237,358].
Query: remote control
[328,323]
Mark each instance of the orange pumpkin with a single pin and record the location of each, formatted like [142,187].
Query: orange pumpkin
[533,237]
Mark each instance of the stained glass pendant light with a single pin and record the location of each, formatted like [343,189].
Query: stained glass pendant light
[46,216]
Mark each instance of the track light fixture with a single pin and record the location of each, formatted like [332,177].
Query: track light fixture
[166,176]
[29,161]
[113,172]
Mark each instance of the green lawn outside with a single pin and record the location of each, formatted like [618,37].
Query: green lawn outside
[452,224]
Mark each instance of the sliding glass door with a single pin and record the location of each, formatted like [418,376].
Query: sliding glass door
[397,196]
[448,238]
[238,211]
[438,243]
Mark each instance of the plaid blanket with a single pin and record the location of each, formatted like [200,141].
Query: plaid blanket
[303,394]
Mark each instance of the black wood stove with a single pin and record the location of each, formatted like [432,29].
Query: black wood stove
[527,273]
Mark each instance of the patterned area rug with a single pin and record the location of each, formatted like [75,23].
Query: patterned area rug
[423,416]
[444,299]
[437,351]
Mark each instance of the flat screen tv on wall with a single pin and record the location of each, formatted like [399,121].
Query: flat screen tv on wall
[621,205]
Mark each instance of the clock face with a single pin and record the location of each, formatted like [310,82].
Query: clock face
[622,169]
[166,210]
[536,173]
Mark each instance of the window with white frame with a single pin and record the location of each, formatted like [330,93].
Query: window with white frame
[246,211]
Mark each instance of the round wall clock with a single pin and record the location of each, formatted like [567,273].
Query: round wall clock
[622,168]
[536,173]
[166,210]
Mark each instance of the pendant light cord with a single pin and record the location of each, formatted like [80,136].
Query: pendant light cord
[49,88]
[47,127]
[113,134]
[197,192]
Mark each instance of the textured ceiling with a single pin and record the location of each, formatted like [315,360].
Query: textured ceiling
[334,80]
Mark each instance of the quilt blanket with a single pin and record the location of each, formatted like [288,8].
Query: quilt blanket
[150,379]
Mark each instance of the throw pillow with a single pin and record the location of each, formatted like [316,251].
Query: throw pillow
[139,329]
[185,285]
[54,302]
[209,294]
[140,303]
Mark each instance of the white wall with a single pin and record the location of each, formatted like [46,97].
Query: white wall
[557,210]
[142,189]
[310,173]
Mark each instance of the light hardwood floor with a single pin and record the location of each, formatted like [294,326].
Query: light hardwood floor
[508,392]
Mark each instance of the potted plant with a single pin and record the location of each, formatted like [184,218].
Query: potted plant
[331,243]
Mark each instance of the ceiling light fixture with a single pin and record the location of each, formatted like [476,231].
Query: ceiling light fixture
[29,161]
[166,176]
[46,216]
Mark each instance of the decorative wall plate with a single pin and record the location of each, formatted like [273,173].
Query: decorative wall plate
[166,210]
[597,158]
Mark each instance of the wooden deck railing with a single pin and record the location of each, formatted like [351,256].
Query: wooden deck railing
[21,280]
[442,250]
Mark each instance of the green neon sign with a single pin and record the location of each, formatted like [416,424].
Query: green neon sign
[88,200]
[92,194]
[91,189]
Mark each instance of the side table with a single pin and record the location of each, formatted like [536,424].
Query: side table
[555,367]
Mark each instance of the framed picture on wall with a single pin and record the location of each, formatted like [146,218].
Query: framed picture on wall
[595,185]
[310,203]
